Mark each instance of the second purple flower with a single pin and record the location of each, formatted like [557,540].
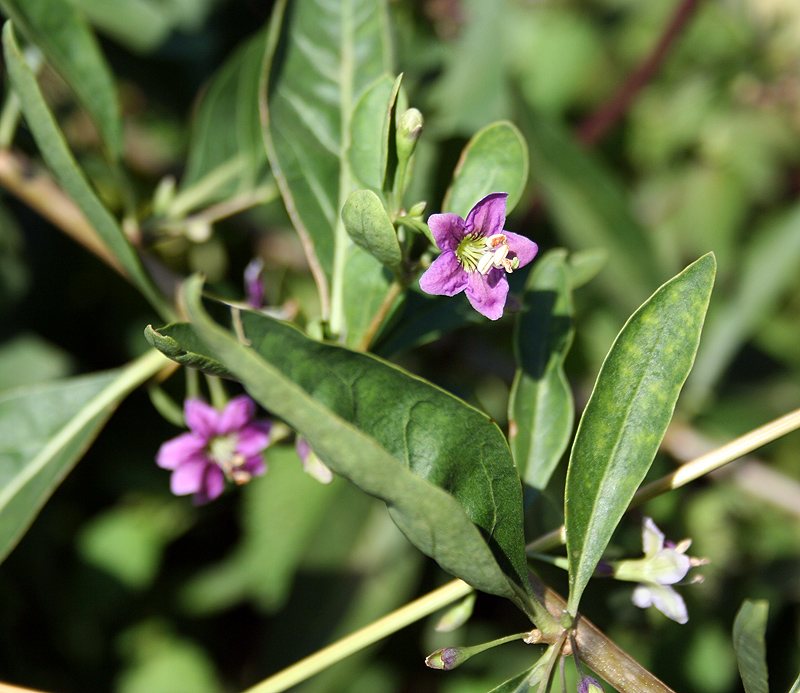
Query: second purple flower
[477,253]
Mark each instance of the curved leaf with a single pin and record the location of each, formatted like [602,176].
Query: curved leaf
[70,46]
[369,226]
[494,160]
[45,429]
[59,158]
[541,407]
[628,413]
[748,641]
[438,463]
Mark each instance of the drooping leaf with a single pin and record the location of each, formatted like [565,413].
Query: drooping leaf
[494,160]
[628,413]
[748,641]
[59,158]
[45,429]
[226,144]
[770,268]
[69,45]
[590,209]
[439,464]
[322,56]
[369,227]
[540,409]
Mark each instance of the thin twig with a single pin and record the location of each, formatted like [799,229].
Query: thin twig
[597,124]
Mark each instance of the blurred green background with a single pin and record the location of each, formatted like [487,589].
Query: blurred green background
[119,586]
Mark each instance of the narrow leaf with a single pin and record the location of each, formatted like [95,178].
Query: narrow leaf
[439,464]
[68,43]
[540,411]
[45,429]
[226,131]
[322,56]
[367,133]
[369,226]
[59,158]
[748,641]
[628,413]
[494,160]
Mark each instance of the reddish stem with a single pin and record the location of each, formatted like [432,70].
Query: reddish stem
[597,124]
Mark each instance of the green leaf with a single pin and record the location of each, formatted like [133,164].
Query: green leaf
[45,429]
[494,160]
[628,413]
[226,143]
[68,43]
[590,209]
[369,133]
[541,409]
[322,56]
[439,464]
[585,265]
[368,282]
[771,266]
[59,158]
[524,681]
[369,226]
[748,641]
[180,342]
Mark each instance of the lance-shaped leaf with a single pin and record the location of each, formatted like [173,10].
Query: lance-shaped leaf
[45,429]
[368,225]
[494,160]
[321,57]
[628,413]
[540,407]
[442,467]
[59,158]
[66,40]
[226,151]
[748,641]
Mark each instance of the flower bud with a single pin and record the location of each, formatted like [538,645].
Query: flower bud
[409,127]
[589,684]
[448,658]
[417,210]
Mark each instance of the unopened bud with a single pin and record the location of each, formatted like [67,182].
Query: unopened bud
[448,658]
[409,127]
[417,210]
[589,684]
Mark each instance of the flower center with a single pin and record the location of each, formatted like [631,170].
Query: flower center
[478,253]
[222,452]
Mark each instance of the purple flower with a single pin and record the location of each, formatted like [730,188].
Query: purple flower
[312,465]
[219,445]
[476,255]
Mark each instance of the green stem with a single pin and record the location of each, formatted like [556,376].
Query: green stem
[362,638]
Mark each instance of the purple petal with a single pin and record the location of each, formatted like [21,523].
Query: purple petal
[487,292]
[448,230]
[523,248]
[254,284]
[212,487]
[254,438]
[188,478]
[488,216]
[255,465]
[236,415]
[445,276]
[303,449]
[184,448]
[201,418]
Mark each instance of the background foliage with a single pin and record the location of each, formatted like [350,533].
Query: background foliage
[118,586]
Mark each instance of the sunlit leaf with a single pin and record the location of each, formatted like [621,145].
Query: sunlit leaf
[494,160]
[45,429]
[628,413]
